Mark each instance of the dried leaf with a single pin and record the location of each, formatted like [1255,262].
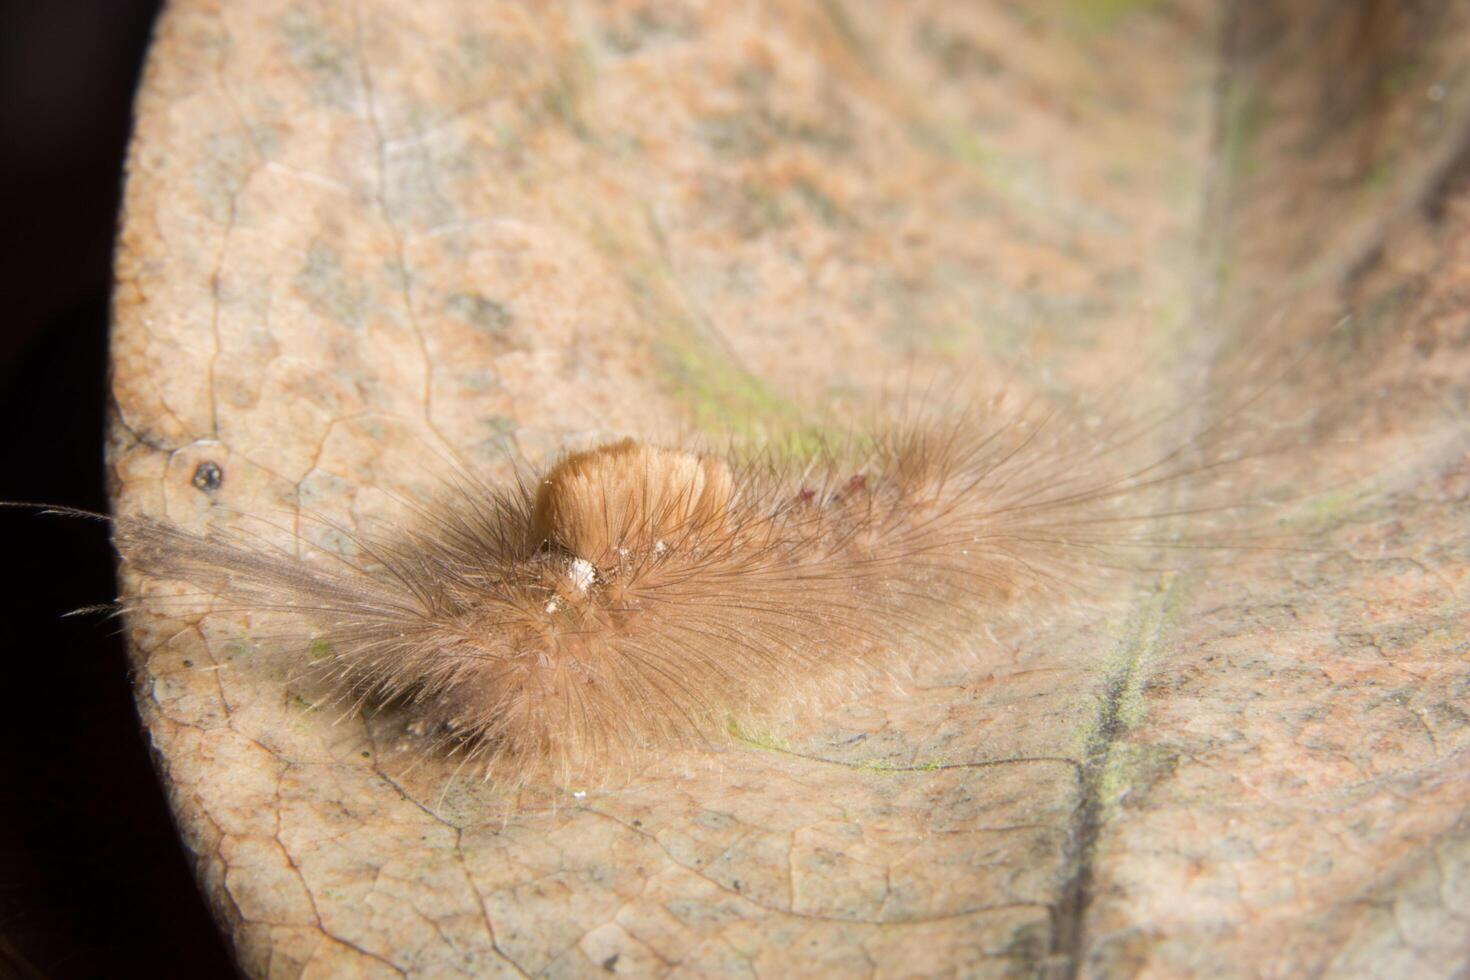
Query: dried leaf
[360,239]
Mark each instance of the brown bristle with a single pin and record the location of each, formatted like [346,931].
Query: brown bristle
[628,496]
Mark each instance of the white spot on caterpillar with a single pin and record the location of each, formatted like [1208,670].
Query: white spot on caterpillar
[582,574]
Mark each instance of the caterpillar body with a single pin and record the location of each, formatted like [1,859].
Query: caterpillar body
[637,597]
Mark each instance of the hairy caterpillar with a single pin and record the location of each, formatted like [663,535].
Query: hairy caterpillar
[637,597]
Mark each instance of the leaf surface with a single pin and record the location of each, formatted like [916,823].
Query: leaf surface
[363,240]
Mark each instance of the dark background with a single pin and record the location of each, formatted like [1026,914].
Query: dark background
[93,882]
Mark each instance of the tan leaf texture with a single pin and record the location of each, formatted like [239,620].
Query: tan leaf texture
[367,241]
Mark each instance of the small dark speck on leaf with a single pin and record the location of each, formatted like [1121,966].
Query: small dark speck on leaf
[188,663]
[207,477]
[481,311]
